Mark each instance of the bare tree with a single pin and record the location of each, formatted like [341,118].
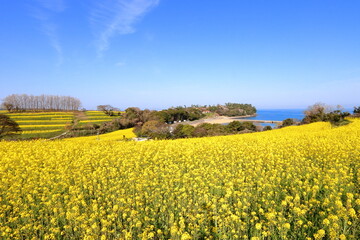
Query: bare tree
[107,109]
[8,106]
[24,102]
[317,108]
[322,112]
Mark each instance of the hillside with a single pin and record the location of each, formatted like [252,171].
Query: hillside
[50,124]
[112,136]
[292,183]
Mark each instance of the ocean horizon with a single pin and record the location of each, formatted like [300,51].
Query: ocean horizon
[278,114]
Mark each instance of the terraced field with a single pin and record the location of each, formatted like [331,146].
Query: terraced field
[50,124]
[41,124]
[96,117]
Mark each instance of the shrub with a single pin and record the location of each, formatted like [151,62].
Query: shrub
[356,111]
[8,126]
[156,129]
[249,125]
[267,128]
[288,122]
[183,131]
[235,126]
[321,112]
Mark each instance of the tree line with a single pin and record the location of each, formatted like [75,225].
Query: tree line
[176,114]
[159,130]
[320,112]
[158,124]
[228,109]
[135,117]
[24,102]
[233,109]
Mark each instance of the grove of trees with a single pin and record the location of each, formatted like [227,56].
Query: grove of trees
[322,112]
[156,124]
[179,114]
[24,102]
[229,109]
[160,130]
[235,109]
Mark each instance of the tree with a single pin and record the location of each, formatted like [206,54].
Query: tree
[235,126]
[133,114]
[8,106]
[107,109]
[249,126]
[267,128]
[8,126]
[24,102]
[183,131]
[288,122]
[357,110]
[155,129]
[321,112]
[202,130]
[208,129]
[316,113]
[317,108]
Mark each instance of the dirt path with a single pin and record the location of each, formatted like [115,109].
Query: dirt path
[80,116]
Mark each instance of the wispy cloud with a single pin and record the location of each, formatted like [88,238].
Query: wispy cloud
[51,32]
[120,64]
[52,5]
[43,11]
[112,17]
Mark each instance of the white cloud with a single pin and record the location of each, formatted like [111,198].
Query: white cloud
[43,11]
[112,17]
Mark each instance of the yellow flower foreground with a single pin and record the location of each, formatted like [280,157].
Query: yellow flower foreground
[112,136]
[293,183]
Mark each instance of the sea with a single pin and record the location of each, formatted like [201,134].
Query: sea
[277,115]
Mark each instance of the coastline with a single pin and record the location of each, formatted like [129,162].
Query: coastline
[224,119]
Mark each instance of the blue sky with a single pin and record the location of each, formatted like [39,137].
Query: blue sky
[161,53]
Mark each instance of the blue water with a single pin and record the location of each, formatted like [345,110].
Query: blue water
[279,114]
[272,125]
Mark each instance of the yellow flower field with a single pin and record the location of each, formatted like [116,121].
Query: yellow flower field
[95,120]
[292,183]
[44,121]
[45,116]
[42,126]
[39,131]
[112,136]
